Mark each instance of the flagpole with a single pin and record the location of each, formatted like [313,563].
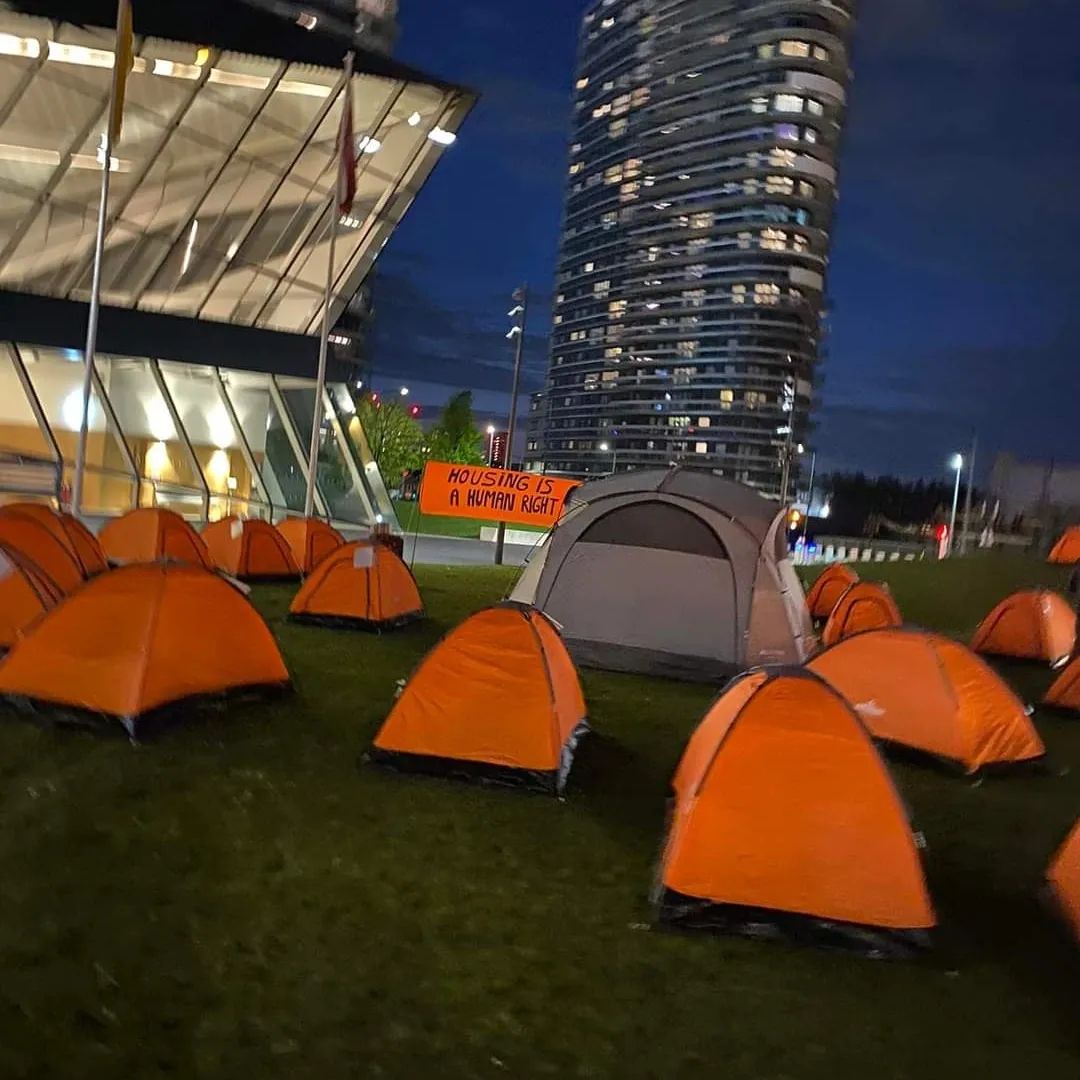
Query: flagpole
[324,337]
[121,60]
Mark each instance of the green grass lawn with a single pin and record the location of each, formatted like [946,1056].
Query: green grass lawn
[242,898]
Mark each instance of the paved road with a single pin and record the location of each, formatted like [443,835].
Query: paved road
[454,551]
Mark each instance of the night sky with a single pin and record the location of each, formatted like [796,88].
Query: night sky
[954,280]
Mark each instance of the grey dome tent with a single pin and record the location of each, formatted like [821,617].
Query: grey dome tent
[670,572]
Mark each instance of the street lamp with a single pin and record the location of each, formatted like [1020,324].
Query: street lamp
[956,462]
[604,448]
[491,444]
[404,391]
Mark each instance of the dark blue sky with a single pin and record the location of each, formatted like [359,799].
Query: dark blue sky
[954,280]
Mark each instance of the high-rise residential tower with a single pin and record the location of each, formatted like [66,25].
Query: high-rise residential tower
[699,207]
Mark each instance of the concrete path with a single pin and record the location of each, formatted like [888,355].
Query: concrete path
[455,551]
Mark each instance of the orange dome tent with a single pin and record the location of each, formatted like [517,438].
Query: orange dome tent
[1064,879]
[1064,692]
[68,530]
[1034,624]
[1066,551]
[362,586]
[152,534]
[866,605]
[250,549]
[138,641]
[26,593]
[86,545]
[925,692]
[42,546]
[498,699]
[828,589]
[786,824]
[310,540]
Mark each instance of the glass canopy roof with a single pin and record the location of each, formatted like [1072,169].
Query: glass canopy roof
[221,181]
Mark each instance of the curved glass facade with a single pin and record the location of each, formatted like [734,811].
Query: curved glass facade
[702,181]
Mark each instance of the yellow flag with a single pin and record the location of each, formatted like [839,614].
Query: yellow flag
[125,58]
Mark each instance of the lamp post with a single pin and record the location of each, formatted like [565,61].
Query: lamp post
[967,496]
[956,462]
[604,448]
[810,493]
[491,444]
[520,313]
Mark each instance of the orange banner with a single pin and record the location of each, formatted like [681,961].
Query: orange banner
[475,491]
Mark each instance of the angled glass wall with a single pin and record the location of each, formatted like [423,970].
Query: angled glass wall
[202,441]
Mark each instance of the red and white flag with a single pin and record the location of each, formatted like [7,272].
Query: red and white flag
[346,148]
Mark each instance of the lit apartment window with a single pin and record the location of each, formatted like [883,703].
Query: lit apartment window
[821,53]
[703,220]
[687,349]
[701,448]
[754,398]
[774,239]
[604,110]
[795,48]
[780,185]
[766,293]
[607,23]
[810,135]
[632,168]
[766,51]
[744,240]
[806,189]
[582,82]
[613,353]
[704,421]
[592,381]
[621,105]
[616,309]
[759,104]
[558,319]
[576,167]
[629,192]
[694,297]
[601,288]
[589,267]
[726,399]
[785,103]
[787,131]
[785,159]
[613,174]
[617,128]
[609,219]
[815,107]
[640,96]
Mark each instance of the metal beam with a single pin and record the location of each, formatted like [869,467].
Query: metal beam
[35,402]
[294,442]
[245,446]
[181,434]
[306,243]
[264,203]
[116,211]
[227,157]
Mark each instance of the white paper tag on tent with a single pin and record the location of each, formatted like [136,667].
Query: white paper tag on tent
[236,530]
[363,557]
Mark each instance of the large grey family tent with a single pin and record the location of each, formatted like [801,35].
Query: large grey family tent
[671,572]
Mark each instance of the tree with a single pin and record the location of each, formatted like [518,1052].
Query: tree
[456,438]
[395,438]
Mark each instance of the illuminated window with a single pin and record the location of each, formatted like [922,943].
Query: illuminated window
[787,131]
[582,82]
[800,243]
[608,23]
[821,53]
[694,297]
[744,240]
[617,128]
[647,25]
[794,48]
[589,267]
[609,219]
[766,293]
[787,103]
[633,168]
[774,239]
[726,399]
[738,294]
[609,377]
[806,189]
[810,135]
[640,96]
[651,254]
[602,110]
[704,421]
[558,319]
[576,167]
[766,51]
[687,349]
[616,309]
[678,421]
[780,185]
[699,243]
[611,354]
[613,174]
[592,381]
[621,105]
[629,191]
[815,107]
[754,398]
[701,448]
[702,220]
[601,288]
[759,105]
